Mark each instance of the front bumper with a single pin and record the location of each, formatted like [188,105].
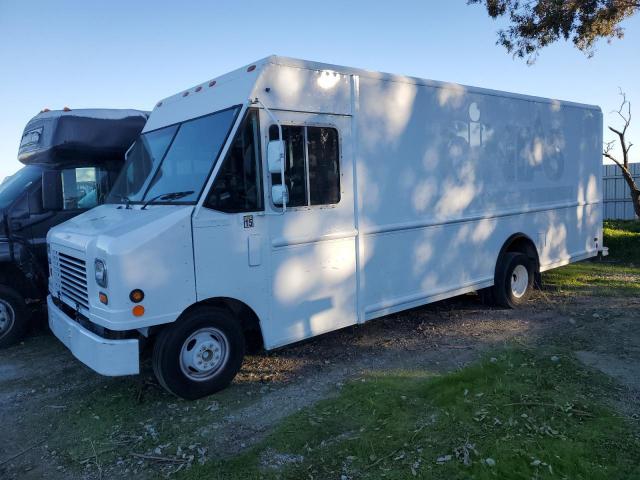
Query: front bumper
[105,356]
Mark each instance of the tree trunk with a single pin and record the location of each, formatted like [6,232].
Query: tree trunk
[635,191]
[635,198]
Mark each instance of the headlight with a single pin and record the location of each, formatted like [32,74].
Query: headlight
[101,273]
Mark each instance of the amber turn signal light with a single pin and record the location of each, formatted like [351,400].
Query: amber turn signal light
[103,298]
[137,311]
[136,296]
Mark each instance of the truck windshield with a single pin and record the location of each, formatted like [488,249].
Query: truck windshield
[177,158]
[14,185]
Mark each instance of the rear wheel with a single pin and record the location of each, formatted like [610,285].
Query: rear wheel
[514,280]
[200,354]
[14,317]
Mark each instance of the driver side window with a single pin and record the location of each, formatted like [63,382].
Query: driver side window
[238,185]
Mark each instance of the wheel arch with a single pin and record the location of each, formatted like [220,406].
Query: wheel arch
[520,243]
[249,320]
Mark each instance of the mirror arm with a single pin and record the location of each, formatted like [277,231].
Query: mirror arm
[275,120]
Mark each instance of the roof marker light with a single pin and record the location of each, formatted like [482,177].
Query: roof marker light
[44,110]
[66,109]
[198,88]
[328,79]
[212,83]
[185,94]
[251,68]
[159,104]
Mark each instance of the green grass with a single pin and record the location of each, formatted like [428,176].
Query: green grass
[531,415]
[617,274]
[127,416]
[598,278]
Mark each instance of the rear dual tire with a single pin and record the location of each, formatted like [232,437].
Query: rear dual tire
[200,354]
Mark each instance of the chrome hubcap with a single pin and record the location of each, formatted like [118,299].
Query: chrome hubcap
[204,353]
[7,317]
[519,281]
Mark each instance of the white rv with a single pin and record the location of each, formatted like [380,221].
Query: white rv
[289,198]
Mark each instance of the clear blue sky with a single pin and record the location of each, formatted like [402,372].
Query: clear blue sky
[129,54]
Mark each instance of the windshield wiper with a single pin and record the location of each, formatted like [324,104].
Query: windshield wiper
[167,196]
[127,200]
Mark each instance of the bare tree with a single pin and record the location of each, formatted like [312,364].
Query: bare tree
[624,112]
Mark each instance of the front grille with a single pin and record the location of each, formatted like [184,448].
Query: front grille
[73,279]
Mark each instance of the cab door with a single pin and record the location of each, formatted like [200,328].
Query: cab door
[312,278]
[229,231]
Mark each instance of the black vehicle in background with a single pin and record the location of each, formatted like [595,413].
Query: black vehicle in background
[71,158]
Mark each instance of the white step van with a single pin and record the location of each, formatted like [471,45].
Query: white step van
[290,198]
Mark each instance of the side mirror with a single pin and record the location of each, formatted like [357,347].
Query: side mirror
[51,190]
[275,156]
[279,194]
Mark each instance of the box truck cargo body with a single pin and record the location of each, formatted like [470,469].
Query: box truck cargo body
[290,198]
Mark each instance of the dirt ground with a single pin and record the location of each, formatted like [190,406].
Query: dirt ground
[43,389]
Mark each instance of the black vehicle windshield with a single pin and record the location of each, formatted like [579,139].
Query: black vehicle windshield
[17,183]
[177,158]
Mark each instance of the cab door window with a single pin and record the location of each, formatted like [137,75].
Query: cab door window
[312,165]
[238,185]
[83,187]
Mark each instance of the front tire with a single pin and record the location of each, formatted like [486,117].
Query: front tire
[14,317]
[514,280]
[200,354]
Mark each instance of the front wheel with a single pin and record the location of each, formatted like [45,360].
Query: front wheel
[514,280]
[14,317]
[200,354]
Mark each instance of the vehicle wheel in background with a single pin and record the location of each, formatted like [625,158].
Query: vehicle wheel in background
[514,280]
[14,317]
[200,353]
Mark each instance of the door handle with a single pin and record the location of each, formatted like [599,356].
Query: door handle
[254,245]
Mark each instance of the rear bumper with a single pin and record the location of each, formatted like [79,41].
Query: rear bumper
[105,356]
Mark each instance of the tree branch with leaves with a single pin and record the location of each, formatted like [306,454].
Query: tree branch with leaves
[624,112]
[534,24]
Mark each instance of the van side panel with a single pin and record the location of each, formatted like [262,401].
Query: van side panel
[445,176]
